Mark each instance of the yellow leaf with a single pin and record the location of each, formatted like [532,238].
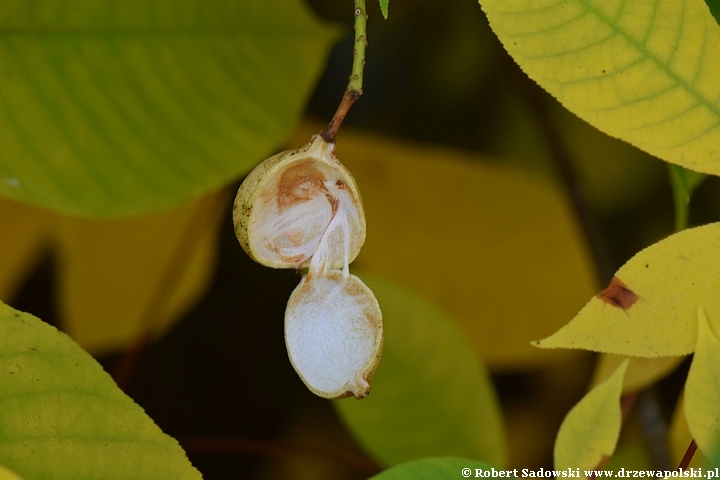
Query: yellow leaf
[111,269]
[494,247]
[6,474]
[591,429]
[650,307]
[702,388]
[641,372]
[24,230]
[643,71]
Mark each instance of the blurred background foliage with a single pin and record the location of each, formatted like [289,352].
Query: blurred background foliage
[455,152]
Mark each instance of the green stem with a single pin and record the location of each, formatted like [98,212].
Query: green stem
[354,88]
[356,77]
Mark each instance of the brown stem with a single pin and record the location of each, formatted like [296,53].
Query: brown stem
[202,218]
[243,446]
[626,403]
[354,88]
[348,99]
[689,453]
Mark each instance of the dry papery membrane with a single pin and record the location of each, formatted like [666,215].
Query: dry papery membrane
[302,209]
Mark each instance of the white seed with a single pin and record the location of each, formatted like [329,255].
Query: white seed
[333,333]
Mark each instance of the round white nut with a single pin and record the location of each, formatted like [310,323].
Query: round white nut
[334,334]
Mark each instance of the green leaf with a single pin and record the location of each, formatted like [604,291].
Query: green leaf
[630,456]
[433,469]
[431,395]
[650,307]
[591,429]
[112,108]
[643,71]
[702,389]
[56,399]
[715,460]
[384,8]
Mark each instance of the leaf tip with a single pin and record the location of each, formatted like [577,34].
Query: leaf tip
[384,8]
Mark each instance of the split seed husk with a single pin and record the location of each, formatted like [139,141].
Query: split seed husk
[334,334]
[301,205]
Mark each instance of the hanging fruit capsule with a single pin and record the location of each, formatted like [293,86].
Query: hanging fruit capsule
[301,209]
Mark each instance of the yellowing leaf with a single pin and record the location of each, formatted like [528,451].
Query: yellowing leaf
[590,430]
[494,247]
[641,372]
[110,271]
[702,389]
[650,307]
[63,418]
[24,230]
[106,113]
[643,71]
[6,474]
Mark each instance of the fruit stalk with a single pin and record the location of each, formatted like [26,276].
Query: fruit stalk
[354,88]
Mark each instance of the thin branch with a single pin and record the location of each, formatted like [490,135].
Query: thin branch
[201,219]
[689,453]
[354,88]
[243,446]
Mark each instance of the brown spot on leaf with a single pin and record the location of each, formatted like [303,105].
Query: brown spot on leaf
[618,294]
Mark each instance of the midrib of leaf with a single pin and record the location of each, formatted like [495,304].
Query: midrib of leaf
[663,66]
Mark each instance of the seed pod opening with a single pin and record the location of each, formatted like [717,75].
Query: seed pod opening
[334,334]
[301,209]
